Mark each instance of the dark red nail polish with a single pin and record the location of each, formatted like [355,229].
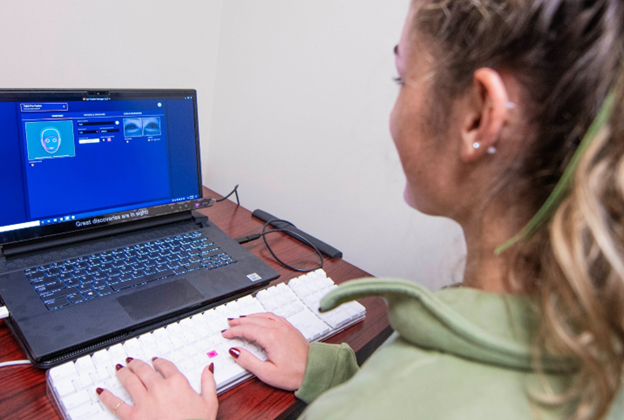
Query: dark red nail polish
[118,366]
[211,368]
[230,319]
[129,359]
[154,358]
[243,316]
[234,352]
[222,331]
[99,390]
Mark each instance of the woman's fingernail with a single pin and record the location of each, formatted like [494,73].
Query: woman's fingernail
[211,368]
[129,359]
[118,366]
[230,319]
[99,390]
[243,316]
[222,331]
[234,352]
[154,358]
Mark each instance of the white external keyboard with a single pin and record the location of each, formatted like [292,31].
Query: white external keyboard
[195,342]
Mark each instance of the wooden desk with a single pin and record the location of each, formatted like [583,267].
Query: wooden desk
[23,388]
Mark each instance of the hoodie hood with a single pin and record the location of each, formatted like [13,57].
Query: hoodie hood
[461,321]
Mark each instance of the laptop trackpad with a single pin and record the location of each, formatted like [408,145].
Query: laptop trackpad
[155,301]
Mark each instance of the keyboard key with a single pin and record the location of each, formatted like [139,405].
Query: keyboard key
[126,277]
[100,284]
[113,280]
[37,275]
[126,269]
[90,294]
[135,282]
[114,272]
[194,266]
[56,303]
[106,267]
[87,279]
[138,266]
[53,271]
[91,410]
[74,400]
[77,298]
[179,270]
[100,276]
[72,283]
[58,293]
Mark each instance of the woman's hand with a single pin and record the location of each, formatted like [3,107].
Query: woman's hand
[286,349]
[161,397]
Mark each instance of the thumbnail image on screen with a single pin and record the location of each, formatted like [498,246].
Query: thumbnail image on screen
[151,126]
[133,127]
[50,139]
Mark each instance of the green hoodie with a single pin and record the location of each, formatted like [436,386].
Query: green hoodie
[456,354]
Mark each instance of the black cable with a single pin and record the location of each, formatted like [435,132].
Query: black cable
[245,239]
[265,232]
[301,238]
[234,191]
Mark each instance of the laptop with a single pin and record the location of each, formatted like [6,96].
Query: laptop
[100,234]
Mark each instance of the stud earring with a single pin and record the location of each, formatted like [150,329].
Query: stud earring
[508,105]
[476,145]
[491,150]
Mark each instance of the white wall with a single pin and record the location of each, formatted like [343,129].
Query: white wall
[294,98]
[111,44]
[302,98]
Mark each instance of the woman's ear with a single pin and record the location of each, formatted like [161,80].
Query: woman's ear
[484,115]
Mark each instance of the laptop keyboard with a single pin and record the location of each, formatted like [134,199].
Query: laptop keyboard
[65,283]
[196,341]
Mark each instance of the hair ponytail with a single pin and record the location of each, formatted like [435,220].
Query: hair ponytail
[582,297]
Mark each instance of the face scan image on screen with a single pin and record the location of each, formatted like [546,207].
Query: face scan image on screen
[48,140]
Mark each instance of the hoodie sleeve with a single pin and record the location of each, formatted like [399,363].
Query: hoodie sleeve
[328,365]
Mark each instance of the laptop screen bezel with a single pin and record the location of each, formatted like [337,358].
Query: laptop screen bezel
[11,237]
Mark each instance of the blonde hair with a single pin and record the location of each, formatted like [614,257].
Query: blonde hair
[568,55]
[582,297]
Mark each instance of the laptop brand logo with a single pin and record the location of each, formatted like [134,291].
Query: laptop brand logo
[254,277]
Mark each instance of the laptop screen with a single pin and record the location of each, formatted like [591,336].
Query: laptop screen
[72,160]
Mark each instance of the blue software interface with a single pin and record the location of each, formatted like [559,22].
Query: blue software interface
[64,161]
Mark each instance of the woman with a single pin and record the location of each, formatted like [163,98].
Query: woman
[495,98]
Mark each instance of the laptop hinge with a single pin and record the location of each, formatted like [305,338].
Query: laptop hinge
[67,239]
